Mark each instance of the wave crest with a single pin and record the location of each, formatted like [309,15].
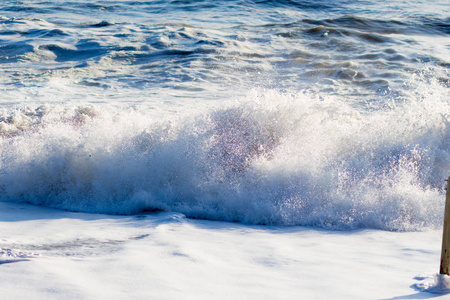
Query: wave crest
[273,158]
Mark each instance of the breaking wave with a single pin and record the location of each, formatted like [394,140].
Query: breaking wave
[269,158]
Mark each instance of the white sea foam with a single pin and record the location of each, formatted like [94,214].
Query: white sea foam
[439,285]
[165,256]
[270,158]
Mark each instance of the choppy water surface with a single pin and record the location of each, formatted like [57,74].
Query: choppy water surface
[323,113]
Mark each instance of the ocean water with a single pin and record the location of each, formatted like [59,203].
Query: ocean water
[332,114]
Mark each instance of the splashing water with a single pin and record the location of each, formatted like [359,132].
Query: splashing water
[269,158]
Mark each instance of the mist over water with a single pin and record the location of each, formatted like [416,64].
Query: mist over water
[333,115]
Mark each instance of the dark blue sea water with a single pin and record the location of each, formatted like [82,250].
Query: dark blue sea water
[321,113]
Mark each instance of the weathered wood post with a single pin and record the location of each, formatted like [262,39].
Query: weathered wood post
[445,252]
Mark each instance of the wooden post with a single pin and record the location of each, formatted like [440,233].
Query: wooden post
[445,252]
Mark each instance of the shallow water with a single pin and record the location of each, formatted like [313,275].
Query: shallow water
[331,114]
